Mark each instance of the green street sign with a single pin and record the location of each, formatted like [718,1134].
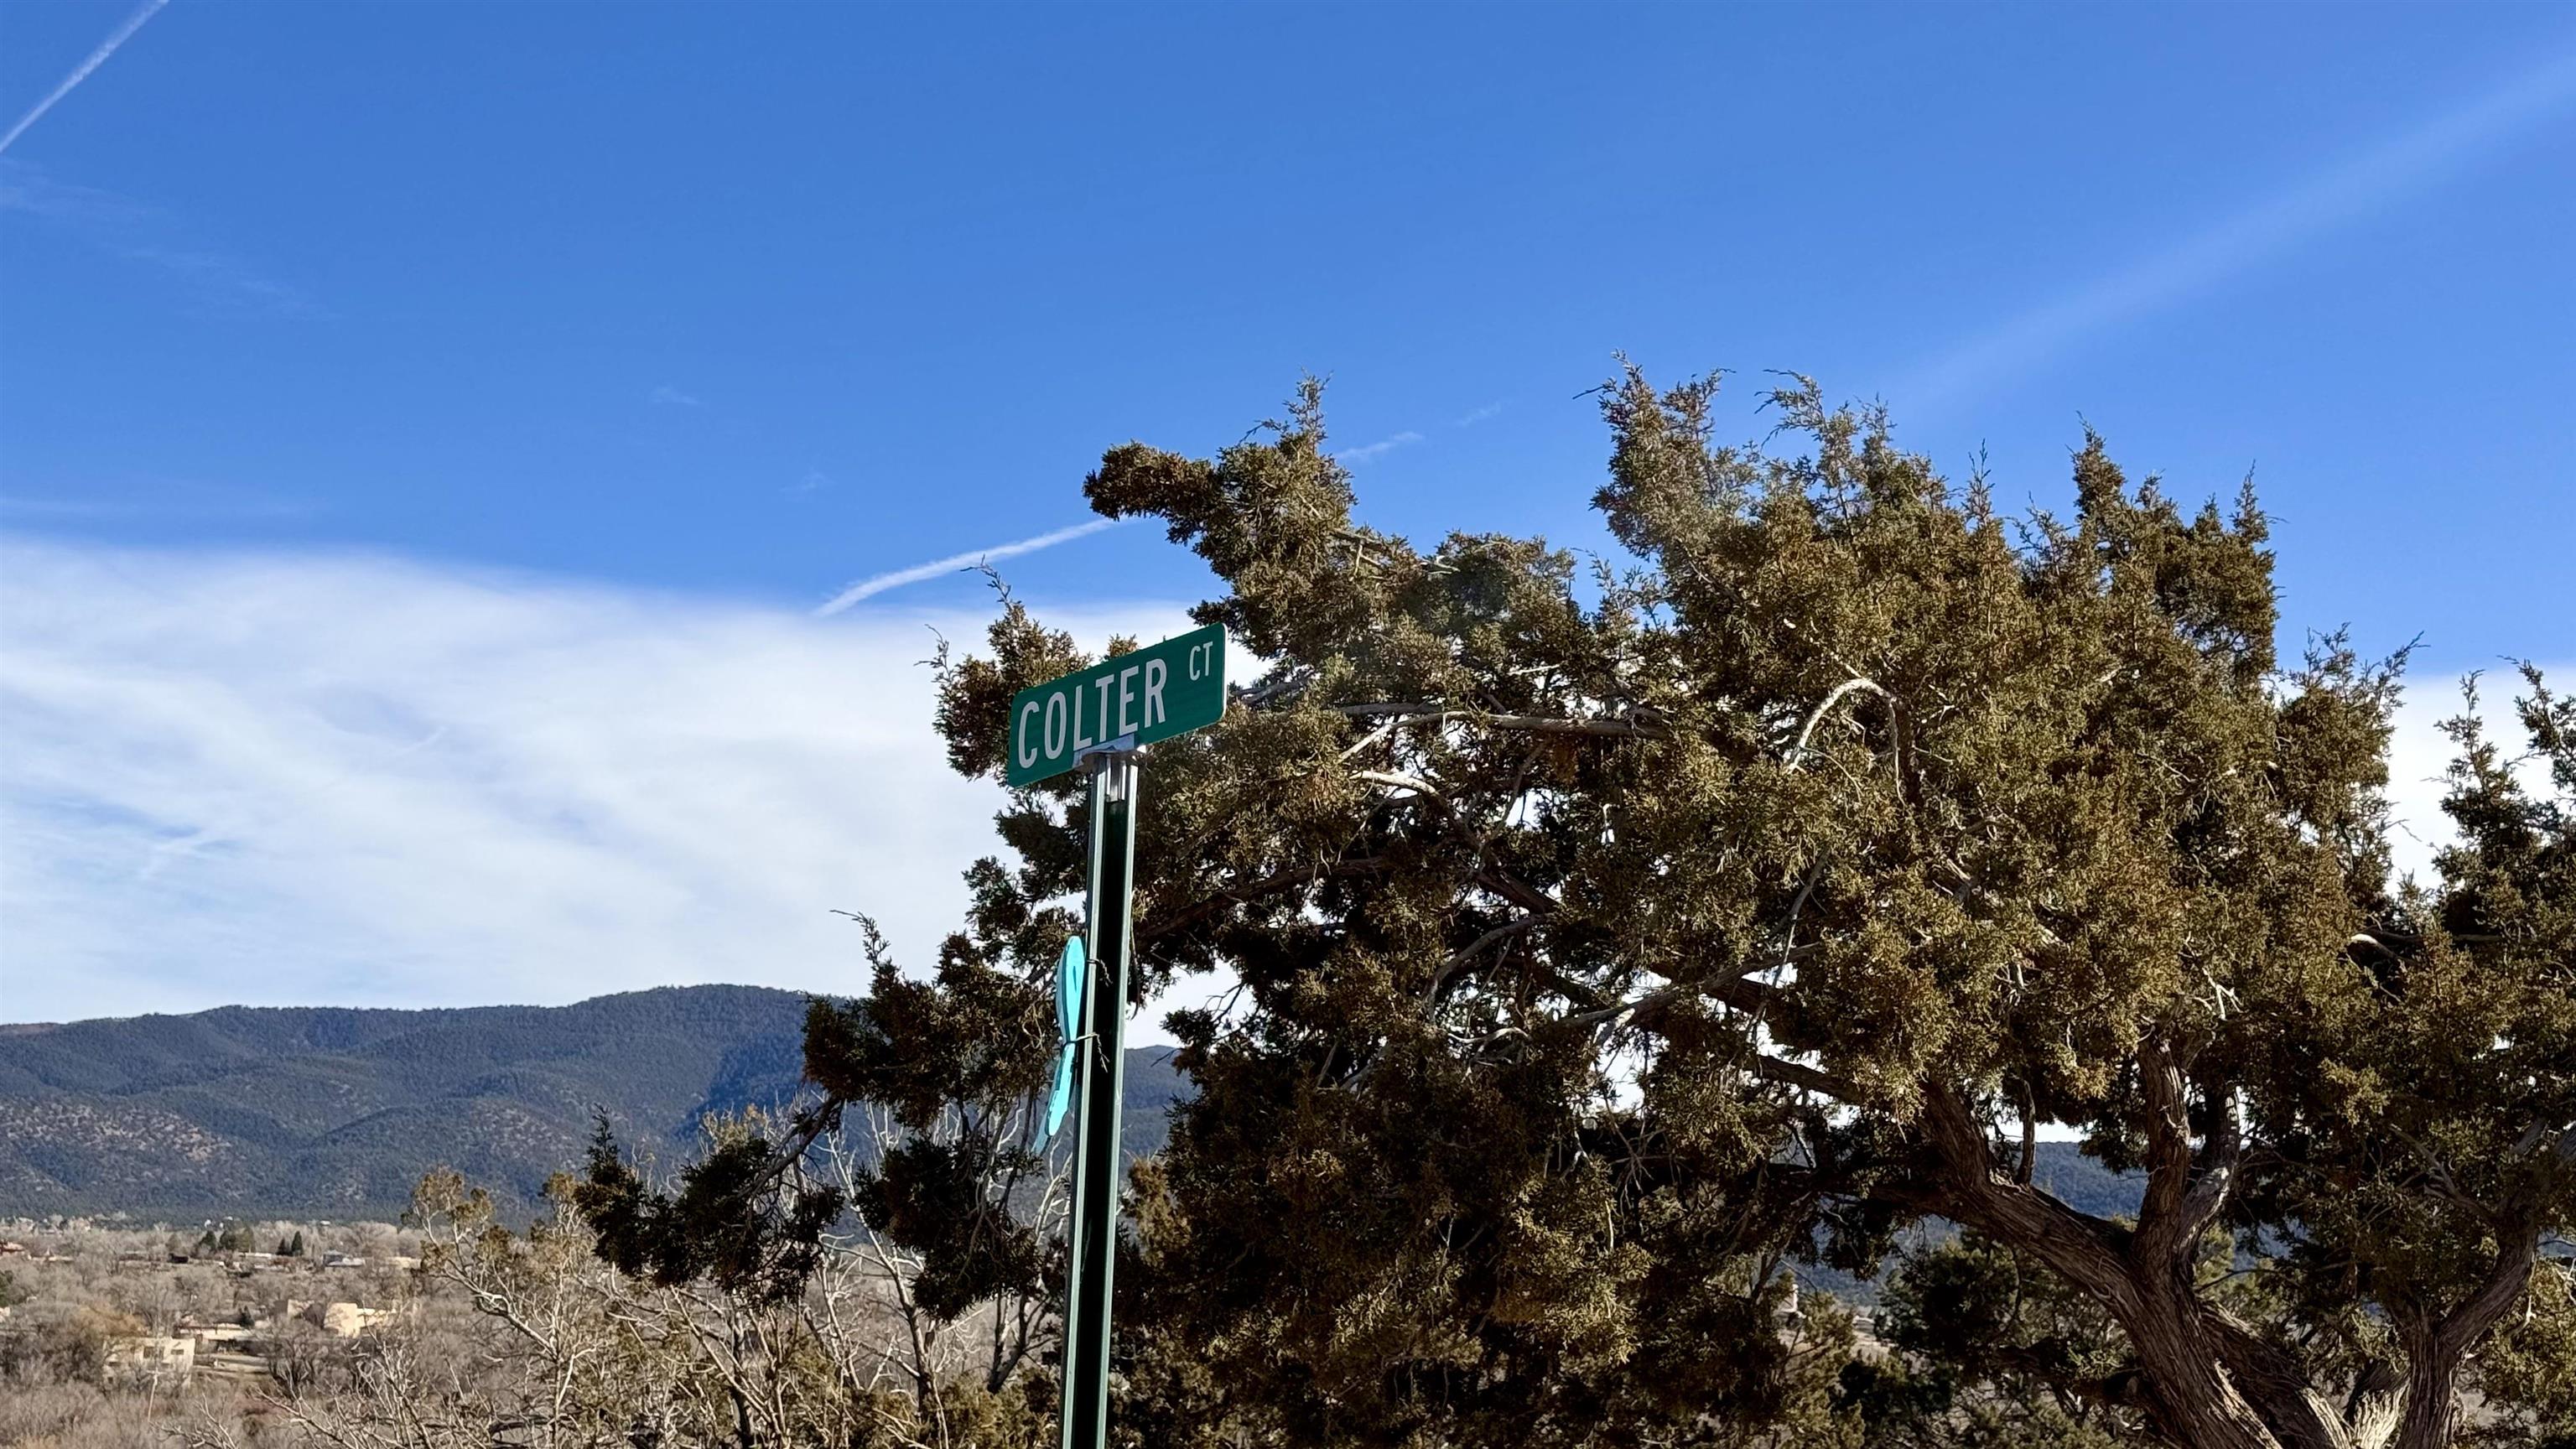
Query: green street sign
[1155,693]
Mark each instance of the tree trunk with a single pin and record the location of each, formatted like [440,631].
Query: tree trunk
[2431,1414]
[2142,1279]
[2435,1350]
[2207,1381]
[2197,1402]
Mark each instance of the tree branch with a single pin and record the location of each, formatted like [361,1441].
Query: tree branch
[1182,917]
[1519,892]
[2168,1132]
[1411,714]
[1773,1069]
[1405,782]
[1798,751]
[1741,992]
[2214,1171]
[2517,1253]
[1471,951]
[2082,1247]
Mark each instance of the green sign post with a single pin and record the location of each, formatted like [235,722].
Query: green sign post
[1098,718]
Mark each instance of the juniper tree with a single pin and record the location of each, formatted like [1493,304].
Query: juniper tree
[1602,941]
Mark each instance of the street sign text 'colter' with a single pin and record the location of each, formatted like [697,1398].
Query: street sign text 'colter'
[1131,699]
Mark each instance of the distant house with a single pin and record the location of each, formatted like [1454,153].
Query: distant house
[13,1249]
[151,1360]
[343,1260]
[346,1320]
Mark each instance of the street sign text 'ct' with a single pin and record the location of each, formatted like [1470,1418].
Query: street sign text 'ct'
[1129,700]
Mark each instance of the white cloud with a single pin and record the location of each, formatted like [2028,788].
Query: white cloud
[2418,753]
[163,499]
[136,232]
[1477,415]
[673,397]
[352,780]
[1348,457]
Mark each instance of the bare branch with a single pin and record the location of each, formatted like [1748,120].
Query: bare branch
[1798,751]
[1472,950]
[1182,917]
[1401,782]
[1412,714]
[1841,1089]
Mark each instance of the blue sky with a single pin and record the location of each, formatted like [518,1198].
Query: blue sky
[344,349]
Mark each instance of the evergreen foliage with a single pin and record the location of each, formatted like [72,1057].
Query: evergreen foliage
[1609,941]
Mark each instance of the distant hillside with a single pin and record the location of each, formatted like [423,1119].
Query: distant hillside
[326,1112]
[330,1112]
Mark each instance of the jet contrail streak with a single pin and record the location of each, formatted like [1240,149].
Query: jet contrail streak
[81,72]
[879,583]
[2256,234]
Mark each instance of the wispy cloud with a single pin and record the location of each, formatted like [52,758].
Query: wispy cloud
[2249,237]
[221,278]
[1477,415]
[1350,457]
[671,396]
[28,189]
[123,227]
[365,781]
[81,72]
[84,498]
[876,584]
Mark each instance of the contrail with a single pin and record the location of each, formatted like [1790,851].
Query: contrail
[1362,454]
[2253,235]
[81,72]
[879,583]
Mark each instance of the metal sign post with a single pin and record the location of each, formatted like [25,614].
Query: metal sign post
[1096,719]
[1100,1074]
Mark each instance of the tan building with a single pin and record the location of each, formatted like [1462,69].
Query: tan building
[151,1360]
[347,1320]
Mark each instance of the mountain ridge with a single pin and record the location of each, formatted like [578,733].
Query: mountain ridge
[337,1111]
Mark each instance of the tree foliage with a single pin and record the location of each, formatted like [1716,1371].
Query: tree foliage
[1607,940]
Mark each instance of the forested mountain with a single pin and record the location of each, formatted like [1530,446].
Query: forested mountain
[336,1112]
